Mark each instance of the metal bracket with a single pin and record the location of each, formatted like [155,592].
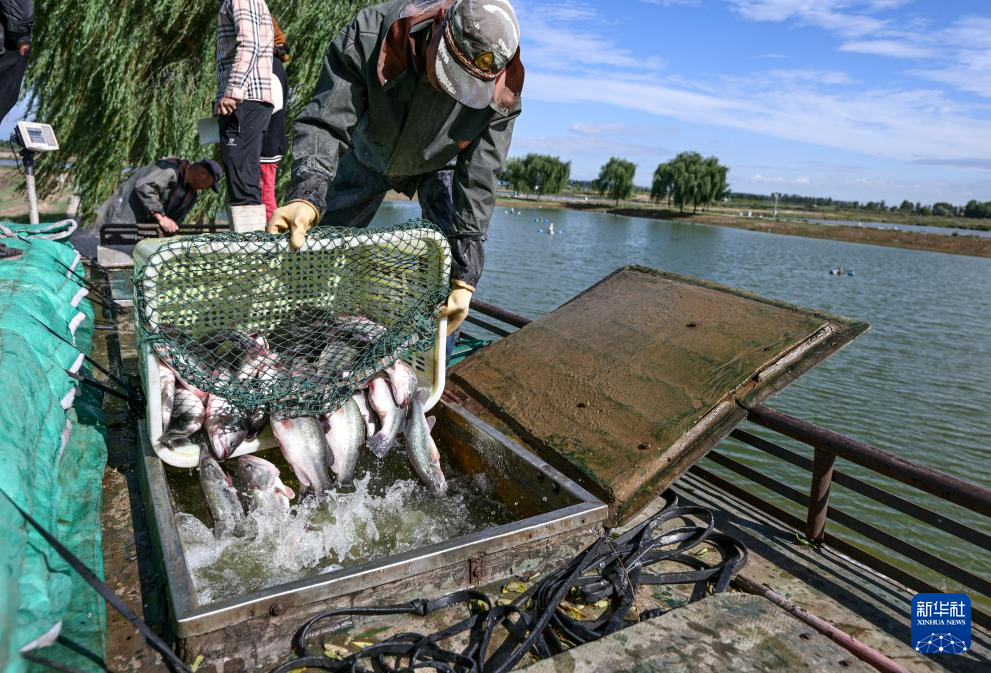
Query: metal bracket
[476,569]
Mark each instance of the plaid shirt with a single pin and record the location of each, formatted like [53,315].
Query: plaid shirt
[244,50]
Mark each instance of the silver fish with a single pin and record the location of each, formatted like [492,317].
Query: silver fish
[421,449]
[254,356]
[336,361]
[360,398]
[221,496]
[393,417]
[360,328]
[403,381]
[187,416]
[167,378]
[345,433]
[256,423]
[263,483]
[305,449]
[226,427]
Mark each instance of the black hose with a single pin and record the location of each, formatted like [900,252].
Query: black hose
[610,569]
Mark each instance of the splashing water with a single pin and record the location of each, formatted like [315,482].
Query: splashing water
[384,512]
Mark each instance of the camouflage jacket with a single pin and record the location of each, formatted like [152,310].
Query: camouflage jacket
[373,98]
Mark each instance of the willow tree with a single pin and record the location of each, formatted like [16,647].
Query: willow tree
[616,179]
[689,179]
[123,83]
[537,173]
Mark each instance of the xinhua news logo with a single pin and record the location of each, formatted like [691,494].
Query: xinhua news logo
[941,623]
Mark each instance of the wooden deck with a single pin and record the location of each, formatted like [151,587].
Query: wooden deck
[737,630]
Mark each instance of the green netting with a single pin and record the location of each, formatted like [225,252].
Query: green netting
[55,231]
[292,333]
[53,458]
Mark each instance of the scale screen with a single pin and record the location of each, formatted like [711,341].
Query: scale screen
[37,137]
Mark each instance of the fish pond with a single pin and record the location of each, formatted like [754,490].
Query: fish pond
[916,384]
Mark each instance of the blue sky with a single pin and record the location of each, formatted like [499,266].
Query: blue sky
[855,99]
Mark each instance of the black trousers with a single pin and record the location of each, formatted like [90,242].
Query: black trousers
[12,67]
[241,149]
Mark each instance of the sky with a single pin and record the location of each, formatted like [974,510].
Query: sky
[853,99]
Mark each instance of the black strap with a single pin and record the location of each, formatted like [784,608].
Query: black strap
[112,599]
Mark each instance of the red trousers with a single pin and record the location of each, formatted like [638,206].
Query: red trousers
[268,188]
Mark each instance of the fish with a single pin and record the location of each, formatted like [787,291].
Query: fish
[393,417]
[254,356]
[262,481]
[225,508]
[403,382]
[305,449]
[360,328]
[197,360]
[186,417]
[256,423]
[345,433]
[362,401]
[336,361]
[421,448]
[225,426]
[167,378]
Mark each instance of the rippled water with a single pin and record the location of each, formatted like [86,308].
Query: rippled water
[386,511]
[917,384]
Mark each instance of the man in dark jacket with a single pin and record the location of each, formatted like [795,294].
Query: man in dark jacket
[163,192]
[16,22]
[419,96]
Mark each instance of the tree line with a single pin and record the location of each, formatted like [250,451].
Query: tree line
[687,180]
[692,181]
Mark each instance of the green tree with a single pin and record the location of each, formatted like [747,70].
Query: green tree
[616,179]
[537,174]
[690,179]
[663,185]
[124,83]
[944,209]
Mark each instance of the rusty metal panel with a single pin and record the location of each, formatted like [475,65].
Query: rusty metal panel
[631,382]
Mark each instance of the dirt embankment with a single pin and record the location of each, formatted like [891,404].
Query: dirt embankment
[962,244]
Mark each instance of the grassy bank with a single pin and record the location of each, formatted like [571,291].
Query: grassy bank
[957,245]
[962,244]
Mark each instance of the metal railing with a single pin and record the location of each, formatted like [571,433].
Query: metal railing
[827,446]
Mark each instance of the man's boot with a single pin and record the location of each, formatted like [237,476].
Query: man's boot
[248,218]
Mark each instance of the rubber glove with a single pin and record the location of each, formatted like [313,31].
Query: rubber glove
[456,307]
[296,217]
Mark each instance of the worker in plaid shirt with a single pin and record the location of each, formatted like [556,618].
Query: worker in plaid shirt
[244,103]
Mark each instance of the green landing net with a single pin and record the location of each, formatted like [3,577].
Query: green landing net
[290,333]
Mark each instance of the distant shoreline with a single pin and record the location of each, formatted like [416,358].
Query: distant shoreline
[961,244]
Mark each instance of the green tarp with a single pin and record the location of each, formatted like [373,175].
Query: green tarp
[53,448]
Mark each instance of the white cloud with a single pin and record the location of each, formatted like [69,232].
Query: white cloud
[850,18]
[557,37]
[892,48]
[899,124]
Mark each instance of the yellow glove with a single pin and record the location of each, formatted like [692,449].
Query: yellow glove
[456,307]
[297,217]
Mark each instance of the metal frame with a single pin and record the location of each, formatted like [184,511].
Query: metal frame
[130,234]
[827,447]
[580,510]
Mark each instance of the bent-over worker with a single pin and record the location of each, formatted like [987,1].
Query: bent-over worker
[420,97]
[163,192]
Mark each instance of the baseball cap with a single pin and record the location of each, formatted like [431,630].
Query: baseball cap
[215,170]
[480,38]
